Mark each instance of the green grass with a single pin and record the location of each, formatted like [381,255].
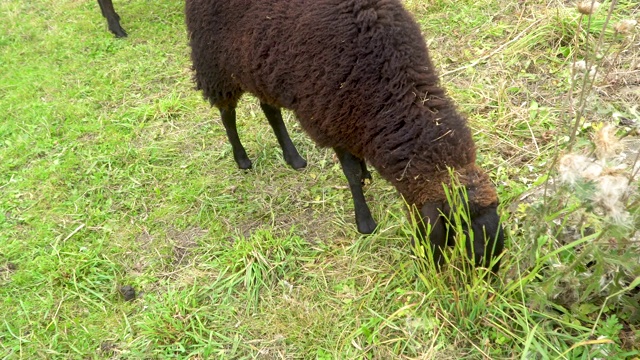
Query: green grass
[114,171]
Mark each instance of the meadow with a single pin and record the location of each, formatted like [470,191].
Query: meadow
[115,175]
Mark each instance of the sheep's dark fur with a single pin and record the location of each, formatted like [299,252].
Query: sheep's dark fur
[113,19]
[358,76]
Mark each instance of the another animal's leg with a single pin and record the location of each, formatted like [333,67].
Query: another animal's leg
[289,151]
[366,175]
[352,168]
[239,154]
[106,6]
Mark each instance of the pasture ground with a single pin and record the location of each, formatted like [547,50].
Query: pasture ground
[114,172]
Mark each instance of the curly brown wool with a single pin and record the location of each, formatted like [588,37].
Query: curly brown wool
[358,76]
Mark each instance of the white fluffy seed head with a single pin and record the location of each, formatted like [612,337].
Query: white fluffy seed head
[580,67]
[606,142]
[573,167]
[625,26]
[610,190]
[610,193]
[587,7]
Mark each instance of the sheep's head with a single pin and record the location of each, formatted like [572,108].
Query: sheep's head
[483,230]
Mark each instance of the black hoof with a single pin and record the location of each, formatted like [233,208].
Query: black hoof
[244,165]
[119,32]
[367,227]
[241,158]
[297,163]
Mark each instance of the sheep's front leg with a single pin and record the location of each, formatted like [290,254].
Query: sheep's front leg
[289,151]
[239,153]
[106,6]
[353,170]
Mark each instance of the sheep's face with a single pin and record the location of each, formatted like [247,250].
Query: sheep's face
[484,233]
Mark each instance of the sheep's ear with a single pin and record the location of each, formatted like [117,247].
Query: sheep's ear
[431,214]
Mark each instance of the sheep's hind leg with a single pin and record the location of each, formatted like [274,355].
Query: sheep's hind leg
[289,151]
[366,175]
[353,170]
[239,153]
[106,6]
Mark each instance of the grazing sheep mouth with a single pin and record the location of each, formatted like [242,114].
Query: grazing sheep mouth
[478,256]
[483,236]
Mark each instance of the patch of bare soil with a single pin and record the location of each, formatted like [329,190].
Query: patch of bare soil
[6,271]
[108,348]
[183,242]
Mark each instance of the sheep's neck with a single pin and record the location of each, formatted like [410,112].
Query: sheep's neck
[416,158]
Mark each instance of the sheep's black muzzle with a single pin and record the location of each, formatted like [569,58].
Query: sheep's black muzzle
[483,244]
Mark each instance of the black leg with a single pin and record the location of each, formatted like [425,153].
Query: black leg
[289,151]
[239,154]
[106,6]
[352,168]
[366,175]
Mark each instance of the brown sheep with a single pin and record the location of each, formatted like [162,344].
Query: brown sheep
[358,76]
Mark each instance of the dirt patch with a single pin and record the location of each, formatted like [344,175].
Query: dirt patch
[6,271]
[183,242]
[314,225]
[144,239]
[9,268]
[108,348]
[88,137]
[629,339]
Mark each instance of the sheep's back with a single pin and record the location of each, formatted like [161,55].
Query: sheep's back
[356,72]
